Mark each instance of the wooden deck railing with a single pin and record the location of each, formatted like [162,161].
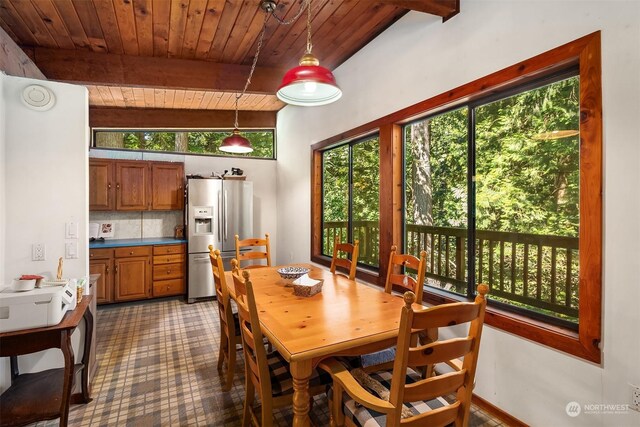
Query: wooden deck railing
[539,271]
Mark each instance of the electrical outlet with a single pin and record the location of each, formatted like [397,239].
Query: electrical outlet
[635,397]
[38,252]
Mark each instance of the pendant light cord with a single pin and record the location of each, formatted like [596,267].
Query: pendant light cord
[303,6]
[309,45]
[253,67]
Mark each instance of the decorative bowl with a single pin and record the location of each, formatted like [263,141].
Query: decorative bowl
[292,273]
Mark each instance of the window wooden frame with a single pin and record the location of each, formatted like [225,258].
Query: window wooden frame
[583,53]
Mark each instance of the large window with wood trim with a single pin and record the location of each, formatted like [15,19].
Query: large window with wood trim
[517,154]
[184,141]
[500,181]
[350,190]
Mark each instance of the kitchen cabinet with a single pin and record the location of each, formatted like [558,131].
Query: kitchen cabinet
[102,185]
[132,278]
[168,270]
[132,186]
[132,273]
[138,272]
[101,262]
[167,186]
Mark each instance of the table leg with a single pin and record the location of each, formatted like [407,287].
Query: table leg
[301,372]
[86,355]
[67,352]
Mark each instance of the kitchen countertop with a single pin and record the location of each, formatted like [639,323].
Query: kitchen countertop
[147,241]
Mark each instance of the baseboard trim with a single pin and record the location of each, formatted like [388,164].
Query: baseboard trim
[496,412]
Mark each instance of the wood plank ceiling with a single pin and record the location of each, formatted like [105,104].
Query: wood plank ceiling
[122,37]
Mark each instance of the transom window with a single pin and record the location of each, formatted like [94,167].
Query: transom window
[200,142]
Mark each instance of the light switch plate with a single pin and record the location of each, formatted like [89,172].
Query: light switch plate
[71,230]
[71,250]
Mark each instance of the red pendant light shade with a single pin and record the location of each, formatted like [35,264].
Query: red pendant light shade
[309,84]
[236,143]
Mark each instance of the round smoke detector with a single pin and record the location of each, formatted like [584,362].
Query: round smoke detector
[38,98]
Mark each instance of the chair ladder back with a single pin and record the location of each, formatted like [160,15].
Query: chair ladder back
[399,278]
[440,351]
[447,315]
[255,254]
[460,381]
[255,354]
[433,387]
[346,263]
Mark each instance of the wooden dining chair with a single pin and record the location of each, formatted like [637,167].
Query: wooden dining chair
[253,255]
[402,279]
[349,264]
[401,396]
[265,374]
[397,277]
[229,324]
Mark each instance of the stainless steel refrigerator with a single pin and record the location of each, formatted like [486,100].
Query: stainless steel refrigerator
[217,210]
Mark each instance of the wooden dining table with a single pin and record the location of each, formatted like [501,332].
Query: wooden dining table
[346,318]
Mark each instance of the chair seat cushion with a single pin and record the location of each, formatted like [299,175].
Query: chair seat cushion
[281,380]
[370,359]
[365,417]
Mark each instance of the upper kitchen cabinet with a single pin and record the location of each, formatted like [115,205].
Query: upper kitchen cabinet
[167,186]
[102,185]
[132,185]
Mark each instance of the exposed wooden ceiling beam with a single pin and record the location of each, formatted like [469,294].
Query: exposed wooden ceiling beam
[443,8]
[85,67]
[14,61]
[163,118]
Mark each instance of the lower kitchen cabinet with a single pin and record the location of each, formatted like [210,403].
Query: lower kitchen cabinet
[133,278]
[104,285]
[138,272]
[168,270]
[101,262]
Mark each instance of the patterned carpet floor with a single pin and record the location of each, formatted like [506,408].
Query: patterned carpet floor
[157,367]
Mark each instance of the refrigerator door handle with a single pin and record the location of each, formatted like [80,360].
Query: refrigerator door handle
[225,215]
[201,259]
[219,216]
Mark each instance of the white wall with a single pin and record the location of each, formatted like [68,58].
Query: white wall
[46,178]
[419,57]
[45,185]
[260,171]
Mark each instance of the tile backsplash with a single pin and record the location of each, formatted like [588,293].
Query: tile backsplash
[133,225]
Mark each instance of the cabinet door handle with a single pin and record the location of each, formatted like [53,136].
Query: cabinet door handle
[116,269]
[106,271]
[168,271]
[117,186]
[109,186]
[131,253]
